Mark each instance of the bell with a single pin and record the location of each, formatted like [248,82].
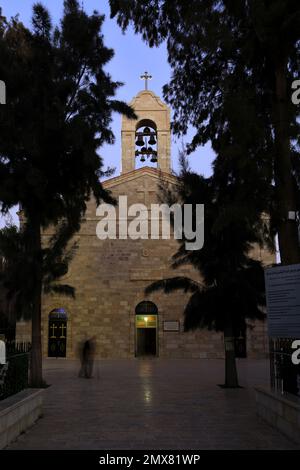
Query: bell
[142,158]
[150,151]
[143,150]
[152,140]
[154,156]
[136,153]
[147,131]
[140,141]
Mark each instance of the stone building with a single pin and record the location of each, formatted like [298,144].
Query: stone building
[110,275]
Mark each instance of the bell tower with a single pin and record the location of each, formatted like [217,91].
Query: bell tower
[147,140]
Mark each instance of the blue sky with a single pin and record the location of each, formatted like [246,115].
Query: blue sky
[132,57]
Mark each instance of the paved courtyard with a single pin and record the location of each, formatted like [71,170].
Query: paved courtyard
[151,404]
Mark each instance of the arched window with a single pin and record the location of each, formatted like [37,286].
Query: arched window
[58,314]
[146,143]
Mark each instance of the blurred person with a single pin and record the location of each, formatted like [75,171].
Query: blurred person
[87,358]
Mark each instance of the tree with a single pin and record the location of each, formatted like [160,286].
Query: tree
[7,311]
[16,279]
[58,114]
[231,61]
[232,289]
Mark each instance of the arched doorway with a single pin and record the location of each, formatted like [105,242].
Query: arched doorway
[146,325]
[57,343]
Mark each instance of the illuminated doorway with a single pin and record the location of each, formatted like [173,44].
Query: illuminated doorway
[146,342]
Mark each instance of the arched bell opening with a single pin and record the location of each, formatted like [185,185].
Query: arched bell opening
[146,144]
[57,339]
[146,328]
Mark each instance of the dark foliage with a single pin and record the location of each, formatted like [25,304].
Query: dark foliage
[58,114]
[233,64]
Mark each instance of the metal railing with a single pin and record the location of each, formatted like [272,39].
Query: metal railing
[285,376]
[15,373]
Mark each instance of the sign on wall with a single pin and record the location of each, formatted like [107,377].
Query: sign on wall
[2,92]
[283,301]
[171,325]
[2,352]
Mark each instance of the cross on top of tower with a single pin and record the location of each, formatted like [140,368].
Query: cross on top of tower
[146,77]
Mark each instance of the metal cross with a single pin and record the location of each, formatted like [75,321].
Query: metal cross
[146,77]
[63,328]
[53,327]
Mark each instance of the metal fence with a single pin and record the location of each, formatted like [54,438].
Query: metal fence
[15,375]
[285,376]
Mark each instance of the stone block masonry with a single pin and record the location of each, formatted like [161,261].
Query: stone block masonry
[18,413]
[280,411]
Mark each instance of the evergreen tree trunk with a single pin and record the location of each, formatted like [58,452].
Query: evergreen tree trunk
[36,373]
[231,377]
[285,184]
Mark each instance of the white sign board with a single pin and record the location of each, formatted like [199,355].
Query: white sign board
[283,301]
[2,353]
[2,92]
[171,325]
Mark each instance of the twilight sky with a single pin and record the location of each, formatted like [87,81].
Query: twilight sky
[132,57]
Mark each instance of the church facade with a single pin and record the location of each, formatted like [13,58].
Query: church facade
[110,275]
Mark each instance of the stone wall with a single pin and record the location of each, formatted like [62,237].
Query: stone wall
[23,331]
[18,413]
[110,277]
[280,411]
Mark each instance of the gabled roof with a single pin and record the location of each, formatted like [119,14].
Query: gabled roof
[132,175]
[138,101]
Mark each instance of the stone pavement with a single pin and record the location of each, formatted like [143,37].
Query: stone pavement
[151,404]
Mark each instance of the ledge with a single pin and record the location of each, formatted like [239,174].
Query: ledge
[18,413]
[280,411]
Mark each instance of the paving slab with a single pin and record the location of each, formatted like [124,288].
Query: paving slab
[151,404]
